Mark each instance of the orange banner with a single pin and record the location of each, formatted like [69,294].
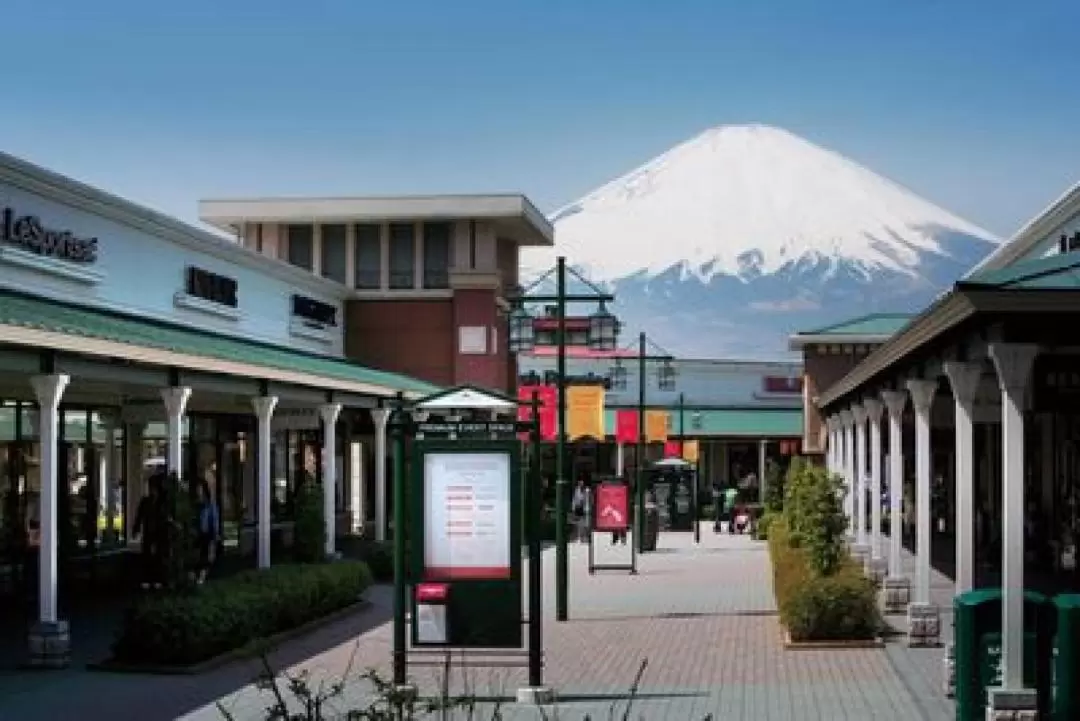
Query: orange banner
[656,426]
[585,412]
[690,451]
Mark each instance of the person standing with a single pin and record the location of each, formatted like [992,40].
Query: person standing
[731,497]
[150,530]
[209,525]
[580,510]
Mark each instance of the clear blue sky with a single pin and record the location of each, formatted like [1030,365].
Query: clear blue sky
[974,104]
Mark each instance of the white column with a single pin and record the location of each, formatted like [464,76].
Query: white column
[874,410]
[176,400]
[357,487]
[108,478]
[264,413]
[922,399]
[832,452]
[380,416]
[964,380]
[859,483]
[1013,363]
[619,459]
[847,460]
[48,389]
[895,402]
[329,413]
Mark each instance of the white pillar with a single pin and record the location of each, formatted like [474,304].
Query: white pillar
[108,479]
[264,413]
[964,380]
[833,450]
[380,416]
[924,625]
[357,487]
[874,410]
[619,460]
[859,483]
[329,413]
[847,460]
[48,389]
[1013,363]
[895,402]
[176,400]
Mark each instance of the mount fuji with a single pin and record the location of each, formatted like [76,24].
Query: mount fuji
[733,240]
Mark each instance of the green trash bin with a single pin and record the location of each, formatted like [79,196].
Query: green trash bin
[1065,696]
[977,646]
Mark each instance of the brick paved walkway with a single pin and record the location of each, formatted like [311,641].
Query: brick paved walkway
[703,616]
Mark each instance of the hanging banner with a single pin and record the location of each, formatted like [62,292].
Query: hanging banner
[585,412]
[548,397]
[690,451]
[671,449]
[626,427]
[656,425]
[612,507]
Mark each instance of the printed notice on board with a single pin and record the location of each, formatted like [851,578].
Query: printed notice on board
[467,515]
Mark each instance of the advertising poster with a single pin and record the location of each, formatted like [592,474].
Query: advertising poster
[467,516]
[547,395]
[585,412]
[656,426]
[691,451]
[626,426]
[671,449]
[612,507]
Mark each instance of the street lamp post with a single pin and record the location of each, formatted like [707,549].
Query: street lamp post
[666,382]
[602,336]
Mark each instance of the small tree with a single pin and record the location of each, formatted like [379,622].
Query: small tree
[180,551]
[774,487]
[310,526]
[815,516]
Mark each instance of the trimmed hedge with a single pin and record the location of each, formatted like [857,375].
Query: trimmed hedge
[184,629]
[378,555]
[815,607]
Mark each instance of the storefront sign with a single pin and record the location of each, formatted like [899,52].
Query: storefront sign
[314,311]
[782,384]
[612,507]
[29,233]
[209,286]
[626,426]
[467,515]
[585,412]
[656,426]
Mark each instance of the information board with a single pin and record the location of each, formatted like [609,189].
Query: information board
[612,507]
[467,515]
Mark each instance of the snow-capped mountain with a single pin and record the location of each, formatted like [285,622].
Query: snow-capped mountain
[729,242]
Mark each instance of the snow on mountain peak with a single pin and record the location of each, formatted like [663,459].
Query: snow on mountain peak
[745,201]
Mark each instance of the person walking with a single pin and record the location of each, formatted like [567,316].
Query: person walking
[580,510]
[150,530]
[731,497]
[208,532]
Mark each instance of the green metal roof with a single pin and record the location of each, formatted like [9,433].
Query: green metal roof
[884,324]
[46,315]
[1061,272]
[728,422]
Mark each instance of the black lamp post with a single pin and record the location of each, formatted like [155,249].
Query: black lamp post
[603,336]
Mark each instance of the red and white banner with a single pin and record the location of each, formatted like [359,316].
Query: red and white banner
[626,427]
[548,397]
[612,507]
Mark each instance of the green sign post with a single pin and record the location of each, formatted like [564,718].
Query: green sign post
[1066,672]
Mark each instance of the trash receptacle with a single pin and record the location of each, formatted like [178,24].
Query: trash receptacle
[1065,696]
[977,645]
[652,527]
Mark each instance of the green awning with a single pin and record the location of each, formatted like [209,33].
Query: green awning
[39,314]
[730,422]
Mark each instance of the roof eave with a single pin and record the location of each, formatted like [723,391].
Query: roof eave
[801,340]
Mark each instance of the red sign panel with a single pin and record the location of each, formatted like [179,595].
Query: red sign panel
[548,397]
[672,449]
[626,427]
[612,507]
[782,384]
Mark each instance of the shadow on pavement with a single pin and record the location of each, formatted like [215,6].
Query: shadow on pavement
[92,696]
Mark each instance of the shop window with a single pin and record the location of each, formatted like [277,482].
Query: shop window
[437,255]
[368,257]
[402,256]
[301,245]
[333,252]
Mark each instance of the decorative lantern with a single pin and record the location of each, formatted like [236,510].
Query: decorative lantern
[522,335]
[617,375]
[603,330]
[666,376]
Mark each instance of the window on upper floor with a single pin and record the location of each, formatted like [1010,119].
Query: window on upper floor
[301,244]
[402,255]
[333,252]
[368,257]
[436,255]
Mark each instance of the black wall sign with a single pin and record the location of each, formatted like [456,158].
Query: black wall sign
[211,286]
[314,311]
[1067,244]
[29,233]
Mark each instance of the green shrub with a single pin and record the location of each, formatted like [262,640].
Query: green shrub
[761,529]
[309,540]
[193,626]
[816,607]
[774,487]
[378,555]
[813,510]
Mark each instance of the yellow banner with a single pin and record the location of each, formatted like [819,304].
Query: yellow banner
[585,412]
[690,451]
[656,425]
